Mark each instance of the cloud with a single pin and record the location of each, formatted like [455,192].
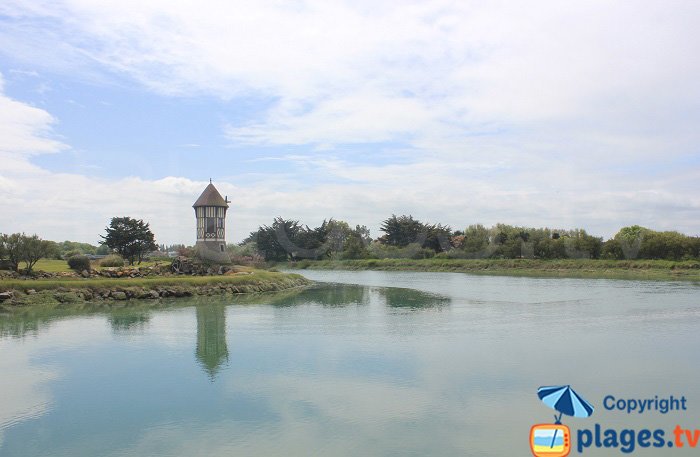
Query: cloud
[342,72]
[547,114]
[24,129]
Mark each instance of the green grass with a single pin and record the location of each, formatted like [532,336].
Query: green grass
[51,266]
[259,278]
[58,266]
[589,268]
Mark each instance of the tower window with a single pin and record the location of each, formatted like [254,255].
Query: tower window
[222,247]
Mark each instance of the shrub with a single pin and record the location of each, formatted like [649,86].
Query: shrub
[112,261]
[422,253]
[72,253]
[79,263]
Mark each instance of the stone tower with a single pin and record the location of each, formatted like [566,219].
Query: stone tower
[210,210]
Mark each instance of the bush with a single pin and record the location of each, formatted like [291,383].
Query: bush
[79,263]
[72,253]
[422,253]
[112,261]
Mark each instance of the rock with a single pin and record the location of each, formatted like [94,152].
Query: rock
[142,293]
[31,291]
[85,274]
[117,295]
[154,294]
[6,296]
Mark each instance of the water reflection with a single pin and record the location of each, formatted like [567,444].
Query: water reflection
[127,320]
[339,370]
[412,299]
[212,350]
[327,295]
[19,324]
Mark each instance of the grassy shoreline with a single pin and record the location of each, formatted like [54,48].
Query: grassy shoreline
[566,268]
[56,291]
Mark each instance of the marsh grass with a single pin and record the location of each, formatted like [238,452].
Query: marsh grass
[588,268]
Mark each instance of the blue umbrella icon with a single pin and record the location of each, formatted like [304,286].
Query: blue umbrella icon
[565,400]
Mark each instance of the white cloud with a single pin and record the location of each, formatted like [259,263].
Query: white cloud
[24,129]
[356,72]
[542,114]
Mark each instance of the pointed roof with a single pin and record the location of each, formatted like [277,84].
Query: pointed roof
[210,197]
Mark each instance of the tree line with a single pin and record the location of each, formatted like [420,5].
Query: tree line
[406,237]
[401,237]
[131,238]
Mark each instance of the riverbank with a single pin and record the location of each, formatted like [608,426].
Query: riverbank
[569,268]
[29,292]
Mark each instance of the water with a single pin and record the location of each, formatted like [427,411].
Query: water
[368,363]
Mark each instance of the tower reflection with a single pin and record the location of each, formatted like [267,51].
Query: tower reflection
[212,350]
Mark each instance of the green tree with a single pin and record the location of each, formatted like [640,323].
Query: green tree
[102,249]
[401,231]
[338,234]
[13,245]
[356,243]
[476,241]
[3,251]
[276,242]
[19,247]
[130,238]
[34,249]
[581,245]
[437,237]
[247,249]
[68,248]
[630,240]
[553,247]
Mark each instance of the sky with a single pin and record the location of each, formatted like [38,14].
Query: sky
[548,113]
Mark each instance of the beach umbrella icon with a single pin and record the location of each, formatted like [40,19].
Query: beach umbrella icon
[566,401]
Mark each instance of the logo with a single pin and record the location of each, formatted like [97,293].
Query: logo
[550,440]
[554,440]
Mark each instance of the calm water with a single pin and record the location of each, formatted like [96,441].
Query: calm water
[365,364]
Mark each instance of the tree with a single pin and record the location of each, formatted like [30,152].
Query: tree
[70,248]
[13,249]
[356,243]
[630,240]
[402,231]
[337,237]
[476,241]
[102,249]
[34,249]
[19,247]
[276,242]
[130,238]
[437,237]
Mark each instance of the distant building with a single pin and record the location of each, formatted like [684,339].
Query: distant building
[210,210]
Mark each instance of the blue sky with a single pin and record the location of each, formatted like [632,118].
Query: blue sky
[559,115]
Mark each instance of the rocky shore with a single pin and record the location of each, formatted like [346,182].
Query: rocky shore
[17,293]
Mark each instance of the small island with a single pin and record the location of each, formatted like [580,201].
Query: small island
[206,270]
